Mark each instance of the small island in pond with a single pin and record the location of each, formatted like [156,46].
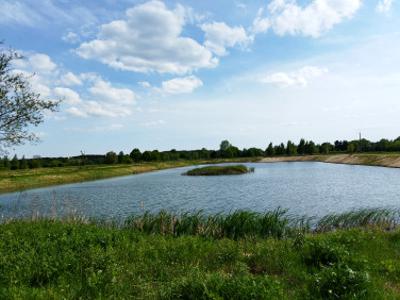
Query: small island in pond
[219,170]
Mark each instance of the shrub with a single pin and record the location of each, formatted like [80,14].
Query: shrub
[340,282]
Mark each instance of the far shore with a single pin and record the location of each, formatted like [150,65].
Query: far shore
[391,160]
[19,180]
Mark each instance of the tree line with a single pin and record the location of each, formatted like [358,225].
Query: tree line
[226,150]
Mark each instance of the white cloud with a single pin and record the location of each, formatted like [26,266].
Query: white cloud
[260,24]
[314,19]
[70,79]
[144,84]
[99,97]
[105,100]
[219,36]
[29,13]
[104,91]
[71,37]
[67,95]
[40,62]
[384,6]
[100,128]
[300,77]
[17,12]
[155,123]
[148,40]
[182,85]
[76,112]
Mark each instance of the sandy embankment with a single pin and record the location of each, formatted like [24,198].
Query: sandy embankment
[384,160]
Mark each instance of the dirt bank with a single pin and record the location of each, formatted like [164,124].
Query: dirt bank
[370,159]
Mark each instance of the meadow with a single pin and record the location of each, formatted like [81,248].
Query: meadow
[17,180]
[242,255]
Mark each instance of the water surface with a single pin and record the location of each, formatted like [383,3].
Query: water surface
[305,188]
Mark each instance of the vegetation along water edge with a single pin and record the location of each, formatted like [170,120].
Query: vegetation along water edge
[242,255]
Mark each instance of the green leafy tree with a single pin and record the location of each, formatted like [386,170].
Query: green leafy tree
[224,145]
[6,162]
[23,164]
[310,148]
[136,155]
[20,107]
[146,156]
[325,148]
[301,149]
[121,157]
[270,151]
[15,163]
[111,158]
[291,148]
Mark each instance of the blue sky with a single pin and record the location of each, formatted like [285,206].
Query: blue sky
[187,74]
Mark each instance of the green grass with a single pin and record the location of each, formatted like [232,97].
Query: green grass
[219,170]
[243,255]
[11,181]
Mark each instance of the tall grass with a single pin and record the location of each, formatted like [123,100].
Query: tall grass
[277,223]
[370,217]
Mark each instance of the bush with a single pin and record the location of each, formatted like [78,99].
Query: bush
[340,282]
[321,254]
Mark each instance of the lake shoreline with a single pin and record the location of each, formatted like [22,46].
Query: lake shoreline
[20,180]
[391,160]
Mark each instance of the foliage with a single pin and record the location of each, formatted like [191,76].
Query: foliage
[20,106]
[77,259]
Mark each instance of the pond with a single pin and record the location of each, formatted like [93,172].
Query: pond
[305,188]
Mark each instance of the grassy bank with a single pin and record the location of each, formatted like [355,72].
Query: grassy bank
[17,180]
[219,170]
[369,159]
[243,256]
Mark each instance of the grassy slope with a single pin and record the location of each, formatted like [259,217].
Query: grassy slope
[55,260]
[11,181]
[370,159]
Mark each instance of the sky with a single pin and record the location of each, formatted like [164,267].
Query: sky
[188,74]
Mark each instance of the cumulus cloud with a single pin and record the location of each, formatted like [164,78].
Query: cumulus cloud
[107,93]
[99,97]
[314,19]
[70,79]
[148,39]
[384,6]
[71,37]
[67,95]
[260,24]
[182,85]
[104,100]
[300,77]
[219,36]
[40,62]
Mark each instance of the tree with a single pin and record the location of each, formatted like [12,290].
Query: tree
[270,150]
[224,145]
[301,147]
[111,157]
[291,148]
[15,163]
[23,164]
[20,107]
[325,148]
[310,147]
[136,155]
[121,157]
